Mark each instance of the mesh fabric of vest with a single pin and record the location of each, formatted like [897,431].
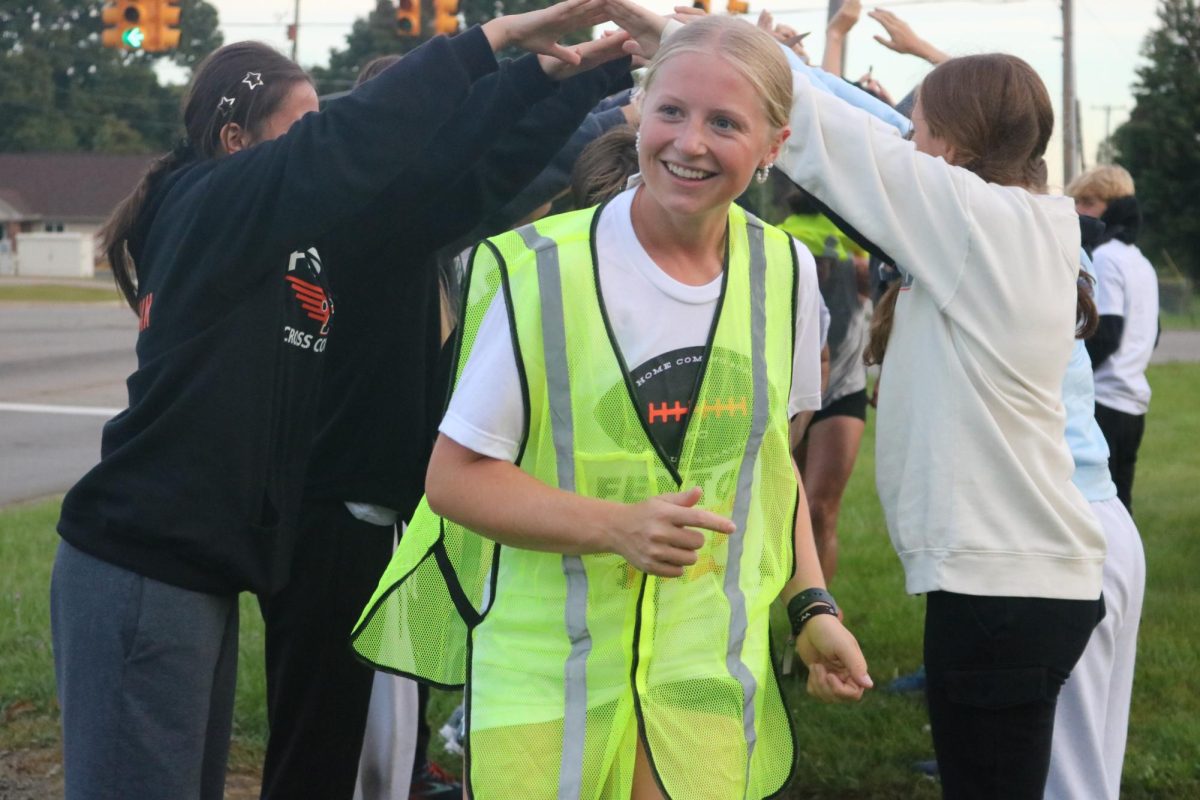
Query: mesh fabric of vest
[572,655]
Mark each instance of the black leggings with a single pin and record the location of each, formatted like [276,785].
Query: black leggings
[1123,432]
[994,668]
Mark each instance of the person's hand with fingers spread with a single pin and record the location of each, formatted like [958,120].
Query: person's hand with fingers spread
[903,39]
[837,670]
[643,25]
[539,31]
[659,536]
[591,54]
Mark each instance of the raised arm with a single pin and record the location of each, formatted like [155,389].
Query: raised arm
[839,27]
[902,39]
[332,164]
[917,208]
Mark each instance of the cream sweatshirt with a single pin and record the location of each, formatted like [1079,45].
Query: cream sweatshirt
[972,466]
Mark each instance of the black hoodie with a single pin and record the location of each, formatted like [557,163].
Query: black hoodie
[200,478]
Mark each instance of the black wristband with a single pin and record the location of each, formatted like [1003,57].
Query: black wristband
[799,620]
[808,597]
[797,605]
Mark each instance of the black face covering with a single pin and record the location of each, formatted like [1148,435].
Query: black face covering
[1091,232]
[1122,219]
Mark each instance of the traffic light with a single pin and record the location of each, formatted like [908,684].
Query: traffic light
[445,17]
[408,18]
[703,5]
[161,25]
[123,24]
[737,7]
[150,25]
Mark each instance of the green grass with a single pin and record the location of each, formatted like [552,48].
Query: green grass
[58,293]
[847,752]
[1188,321]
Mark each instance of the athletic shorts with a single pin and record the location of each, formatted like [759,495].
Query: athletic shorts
[851,405]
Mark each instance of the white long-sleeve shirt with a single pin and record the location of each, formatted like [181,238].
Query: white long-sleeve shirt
[972,467]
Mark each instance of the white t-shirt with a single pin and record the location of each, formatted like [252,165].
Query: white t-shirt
[661,327]
[1126,286]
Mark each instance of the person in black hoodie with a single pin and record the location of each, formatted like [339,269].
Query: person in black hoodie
[197,493]
[380,400]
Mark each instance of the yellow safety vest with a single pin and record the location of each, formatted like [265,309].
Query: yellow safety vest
[566,657]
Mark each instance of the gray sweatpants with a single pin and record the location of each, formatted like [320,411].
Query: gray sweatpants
[146,675]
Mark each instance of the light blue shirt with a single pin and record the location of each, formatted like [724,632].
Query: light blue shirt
[847,91]
[1084,437]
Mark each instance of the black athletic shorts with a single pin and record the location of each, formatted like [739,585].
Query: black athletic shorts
[851,405]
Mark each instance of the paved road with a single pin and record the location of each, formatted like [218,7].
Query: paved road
[1177,346]
[67,364]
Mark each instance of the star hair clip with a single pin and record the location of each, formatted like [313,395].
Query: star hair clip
[253,80]
[225,107]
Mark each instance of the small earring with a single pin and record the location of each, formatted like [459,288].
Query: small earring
[761,173]
[637,141]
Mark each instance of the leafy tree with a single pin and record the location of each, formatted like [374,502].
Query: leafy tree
[1160,144]
[376,35]
[60,89]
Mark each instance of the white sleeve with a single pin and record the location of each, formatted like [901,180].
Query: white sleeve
[826,320]
[1110,285]
[806,359]
[917,208]
[486,412]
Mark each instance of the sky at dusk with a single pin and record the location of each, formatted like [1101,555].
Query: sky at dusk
[1108,39]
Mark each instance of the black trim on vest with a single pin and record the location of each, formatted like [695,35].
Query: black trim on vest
[506,288]
[461,602]
[371,615]
[459,332]
[670,466]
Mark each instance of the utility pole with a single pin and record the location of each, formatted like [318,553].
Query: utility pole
[1108,109]
[834,5]
[295,29]
[1069,132]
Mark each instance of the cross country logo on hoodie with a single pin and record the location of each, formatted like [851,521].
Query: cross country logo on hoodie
[308,291]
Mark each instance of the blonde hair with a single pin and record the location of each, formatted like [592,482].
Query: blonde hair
[1104,183]
[749,49]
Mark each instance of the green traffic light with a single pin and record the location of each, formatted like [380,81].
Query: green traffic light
[133,38]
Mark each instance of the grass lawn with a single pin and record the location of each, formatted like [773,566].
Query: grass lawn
[857,752]
[59,293]
[1189,321]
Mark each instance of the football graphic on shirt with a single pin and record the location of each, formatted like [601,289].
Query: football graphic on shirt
[664,387]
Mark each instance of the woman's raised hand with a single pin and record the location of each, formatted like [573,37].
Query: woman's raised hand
[846,17]
[659,537]
[539,31]
[903,39]
[643,25]
[591,54]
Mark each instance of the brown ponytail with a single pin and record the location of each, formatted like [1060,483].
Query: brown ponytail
[1087,317]
[241,83]
[881,325]
[119,228]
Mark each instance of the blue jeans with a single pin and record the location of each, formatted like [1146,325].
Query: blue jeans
[146,675]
